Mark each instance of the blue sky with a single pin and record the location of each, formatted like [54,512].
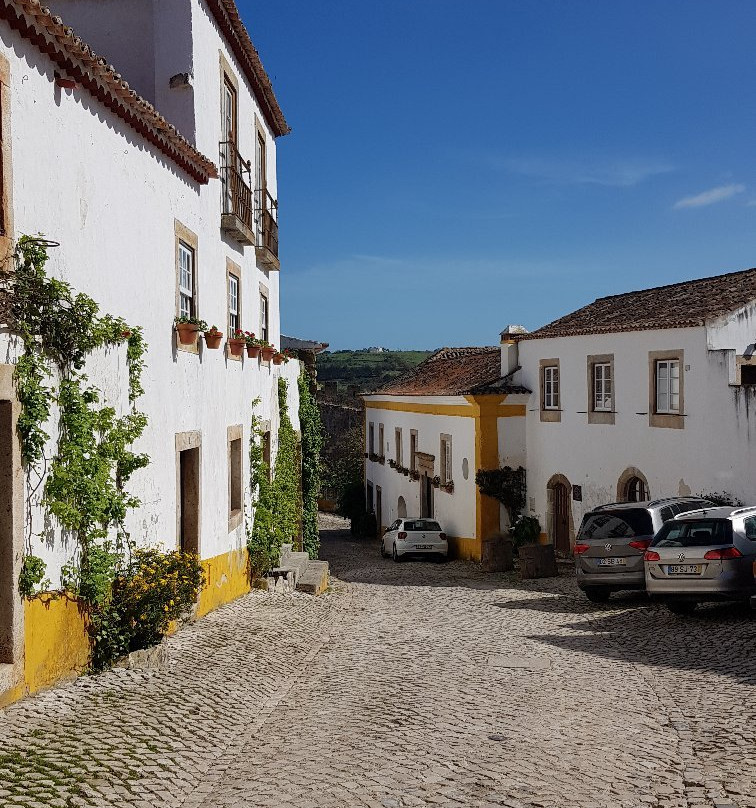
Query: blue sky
[455,167]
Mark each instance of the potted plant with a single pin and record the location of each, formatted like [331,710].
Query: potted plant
[253,345]
[267,350]
[237,342]
[187,328]
[213,338]
[279,358]
[436,481]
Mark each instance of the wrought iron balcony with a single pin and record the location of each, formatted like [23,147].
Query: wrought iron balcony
[237,218]
[266,229]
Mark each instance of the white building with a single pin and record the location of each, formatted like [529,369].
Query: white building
[642,395]
[157,177]
[427,434]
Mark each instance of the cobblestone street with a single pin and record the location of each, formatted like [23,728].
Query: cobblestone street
[413,684]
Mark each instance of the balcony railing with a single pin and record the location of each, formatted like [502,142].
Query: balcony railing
[235,173]
[266,227]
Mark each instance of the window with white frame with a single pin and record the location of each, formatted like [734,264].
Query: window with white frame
[234,321]
[551,387]
[398,440]
[264,326]
[186,280]
[602,387]
[667,386]
[446,458]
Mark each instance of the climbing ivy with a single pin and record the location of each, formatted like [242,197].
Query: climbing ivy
[312,445]
[507,485]
[285,491]
[260,536]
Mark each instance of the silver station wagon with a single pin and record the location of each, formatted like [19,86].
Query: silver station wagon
[709,554]
[612,539]
[414,537]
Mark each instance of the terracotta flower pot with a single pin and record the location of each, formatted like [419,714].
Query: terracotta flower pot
[268,353]
[253,351]
[236,346]
[278,359]
[187,333]
[213,339]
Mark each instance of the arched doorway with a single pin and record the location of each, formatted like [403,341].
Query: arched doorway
[401,508]
[632,486]
[560,513]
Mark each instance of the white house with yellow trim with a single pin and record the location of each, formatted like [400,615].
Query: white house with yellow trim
[428,433]
[154,169]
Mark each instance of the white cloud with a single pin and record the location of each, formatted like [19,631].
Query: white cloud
[710,197]
[618,173]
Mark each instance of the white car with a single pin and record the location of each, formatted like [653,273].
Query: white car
[415,536]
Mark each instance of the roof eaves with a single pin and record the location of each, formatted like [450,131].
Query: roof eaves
[73,56]
[227,15]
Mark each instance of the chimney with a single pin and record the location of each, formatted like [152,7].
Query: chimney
[510,353]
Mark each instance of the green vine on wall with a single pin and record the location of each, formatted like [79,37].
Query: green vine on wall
[312,445]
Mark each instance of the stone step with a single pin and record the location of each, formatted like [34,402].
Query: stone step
[314,581]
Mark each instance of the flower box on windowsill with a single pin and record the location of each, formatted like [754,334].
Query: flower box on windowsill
[236,346]
[448,487]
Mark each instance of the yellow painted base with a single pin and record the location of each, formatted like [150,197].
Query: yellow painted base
[56,643]
[226,579]
[465,549]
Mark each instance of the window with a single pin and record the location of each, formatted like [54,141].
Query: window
[186,280]
[264,325]
[446,459]
[749,527]
[234,319]
[229,110]
[398,440]
[602,387]
[371,439]
[748,374]
[380,440]
[413,450]
[668,386]
[260,163]
[551,387]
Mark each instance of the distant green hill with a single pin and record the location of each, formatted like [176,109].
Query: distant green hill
[366,369]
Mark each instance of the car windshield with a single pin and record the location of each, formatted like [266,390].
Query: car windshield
[619,524]
[694,533]
[421,524]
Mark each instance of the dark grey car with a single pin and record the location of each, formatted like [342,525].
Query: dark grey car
[613,538]
[705,555]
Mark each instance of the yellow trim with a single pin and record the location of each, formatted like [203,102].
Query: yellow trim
[462,410]
[486,457]
[512,410]
[56,642]
[465,548]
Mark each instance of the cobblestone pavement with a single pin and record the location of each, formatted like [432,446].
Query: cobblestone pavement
[413,684]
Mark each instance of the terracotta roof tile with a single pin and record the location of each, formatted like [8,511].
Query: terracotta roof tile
[78,61]
[679,305]
[454,372]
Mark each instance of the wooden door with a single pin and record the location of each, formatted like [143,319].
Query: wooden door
[561,500]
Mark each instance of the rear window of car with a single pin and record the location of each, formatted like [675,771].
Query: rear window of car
[620,524]
[422,524]
[694,533]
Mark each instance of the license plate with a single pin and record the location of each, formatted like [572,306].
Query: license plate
[423,546]
[612,562]
[684,569]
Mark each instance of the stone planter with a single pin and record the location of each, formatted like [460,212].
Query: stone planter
[497,555]
[538,561]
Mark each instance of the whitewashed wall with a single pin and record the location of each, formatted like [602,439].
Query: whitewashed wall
[713,452]
[455,511]
[85,179]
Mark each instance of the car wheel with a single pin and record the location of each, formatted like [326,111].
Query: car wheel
[597,594]
[395,555]
[682,607]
